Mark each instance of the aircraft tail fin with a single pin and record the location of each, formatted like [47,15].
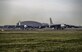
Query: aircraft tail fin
[19,22]
[51,21]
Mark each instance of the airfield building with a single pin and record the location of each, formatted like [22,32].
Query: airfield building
[32,24]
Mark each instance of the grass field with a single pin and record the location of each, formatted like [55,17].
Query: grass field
[44,41]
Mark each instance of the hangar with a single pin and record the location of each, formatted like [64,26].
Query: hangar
[32,24]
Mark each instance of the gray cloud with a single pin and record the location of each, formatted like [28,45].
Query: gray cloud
[61,11]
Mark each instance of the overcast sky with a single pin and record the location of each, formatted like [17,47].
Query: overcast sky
[61,11]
